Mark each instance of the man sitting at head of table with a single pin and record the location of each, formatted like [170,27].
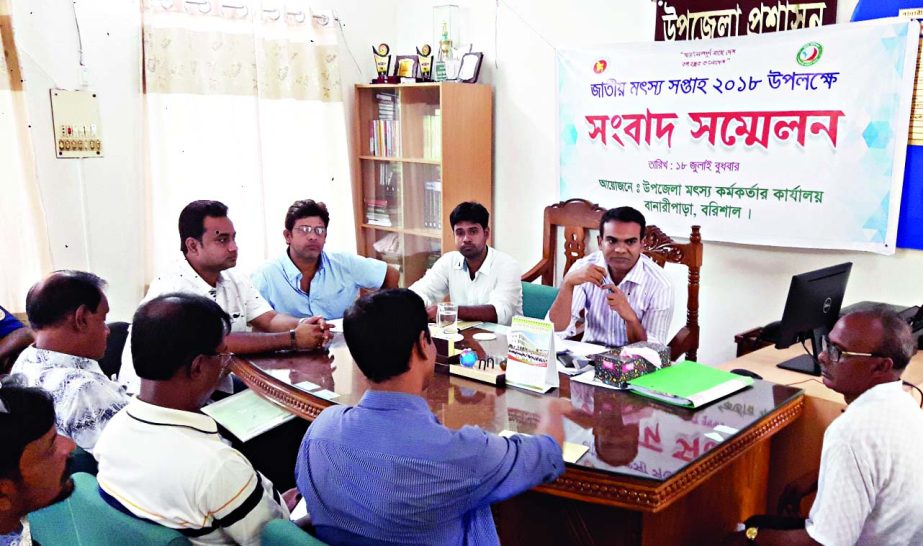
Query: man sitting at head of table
[161,459]
[482,281]
[306,280]
[207,241]
[625,297]
[871,471]
[386,472]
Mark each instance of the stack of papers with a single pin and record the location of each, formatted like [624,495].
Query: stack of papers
[246,414]
[689,384]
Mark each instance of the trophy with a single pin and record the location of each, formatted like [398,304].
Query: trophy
[382,62]
[426,62]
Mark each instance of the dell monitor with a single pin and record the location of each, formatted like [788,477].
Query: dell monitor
[811,310]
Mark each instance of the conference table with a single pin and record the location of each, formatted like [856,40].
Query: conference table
[654,474]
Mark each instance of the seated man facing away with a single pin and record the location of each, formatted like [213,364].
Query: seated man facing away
[386,472]
[14,337]
[871,470]
[68,311]
[624,295]
[161,459]
[209,252]
[306,280]
[33,460]
[483,282]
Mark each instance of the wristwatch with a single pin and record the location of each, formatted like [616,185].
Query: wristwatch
[751,533]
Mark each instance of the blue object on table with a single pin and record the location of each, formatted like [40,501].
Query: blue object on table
[468,358]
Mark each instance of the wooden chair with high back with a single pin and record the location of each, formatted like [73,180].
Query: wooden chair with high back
[577,217]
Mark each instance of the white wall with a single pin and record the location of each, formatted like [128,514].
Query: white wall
[742,286]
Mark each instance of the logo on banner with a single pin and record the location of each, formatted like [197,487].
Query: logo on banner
[600,66]
[809,53]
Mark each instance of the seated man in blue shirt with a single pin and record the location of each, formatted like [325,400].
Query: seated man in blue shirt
[386,472]
[14,337]
[307,281]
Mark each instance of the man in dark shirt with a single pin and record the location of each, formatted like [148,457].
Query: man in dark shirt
[14,337]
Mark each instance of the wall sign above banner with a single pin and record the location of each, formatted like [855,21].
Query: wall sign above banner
[679,20]
[792,139]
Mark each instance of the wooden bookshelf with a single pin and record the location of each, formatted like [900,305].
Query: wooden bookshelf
[422,148]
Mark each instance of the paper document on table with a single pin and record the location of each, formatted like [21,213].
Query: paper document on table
[578,347]
[571,451]
[336,325]
[246,415]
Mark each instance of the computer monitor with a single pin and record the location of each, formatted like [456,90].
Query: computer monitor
[811,310]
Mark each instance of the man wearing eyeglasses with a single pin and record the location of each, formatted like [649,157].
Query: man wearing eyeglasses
[161,459]
[208,243]
[306,280]
[871,468]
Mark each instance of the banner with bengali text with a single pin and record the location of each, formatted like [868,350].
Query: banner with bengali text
[793,139]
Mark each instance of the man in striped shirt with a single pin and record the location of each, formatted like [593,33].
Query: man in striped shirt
[624,296]
[160,458]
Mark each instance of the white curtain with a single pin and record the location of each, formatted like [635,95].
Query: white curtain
[242,105]
[24,250]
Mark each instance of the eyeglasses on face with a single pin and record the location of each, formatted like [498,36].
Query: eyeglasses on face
[307,230]
[224,361]
[834,353]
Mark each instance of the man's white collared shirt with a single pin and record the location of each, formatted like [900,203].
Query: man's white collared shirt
[497,282]
[84,398]
[172,467]
[233,292]
[871,473]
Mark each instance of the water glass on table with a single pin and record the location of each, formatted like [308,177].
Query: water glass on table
[447,317]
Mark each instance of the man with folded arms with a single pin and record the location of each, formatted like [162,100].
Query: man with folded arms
[161,459]
[207,240]
[624,296]
[871,471]
[386,472]
[33,459]
[482,281]
[307,280]
[68,311]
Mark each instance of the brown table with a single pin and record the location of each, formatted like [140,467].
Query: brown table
[654,474]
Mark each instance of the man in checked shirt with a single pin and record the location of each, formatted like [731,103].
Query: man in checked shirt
[624,296]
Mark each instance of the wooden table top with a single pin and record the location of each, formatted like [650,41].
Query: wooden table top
[642,454]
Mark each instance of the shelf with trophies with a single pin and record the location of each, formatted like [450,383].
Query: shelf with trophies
[422,148]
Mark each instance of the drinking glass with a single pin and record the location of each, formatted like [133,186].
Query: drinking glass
[447,317]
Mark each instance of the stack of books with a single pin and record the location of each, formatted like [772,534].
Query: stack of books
[384,208]
[432,204]
[432,136]
[385,132]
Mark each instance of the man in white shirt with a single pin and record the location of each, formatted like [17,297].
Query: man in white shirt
[483,282]
[161,459]
[207,240]
[871,470]
[68,311]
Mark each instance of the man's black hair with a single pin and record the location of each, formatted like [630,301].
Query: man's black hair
[170,331]
[382,329]
[623,214]
[26,414]
[306,208]
[469,211]
[59,295]
[192,219]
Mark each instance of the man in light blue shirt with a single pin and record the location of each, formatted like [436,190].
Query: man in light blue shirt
[305,280]
[386,472]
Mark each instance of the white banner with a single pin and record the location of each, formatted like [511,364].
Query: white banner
[792,139]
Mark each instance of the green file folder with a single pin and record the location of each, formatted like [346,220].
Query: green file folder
[689,384]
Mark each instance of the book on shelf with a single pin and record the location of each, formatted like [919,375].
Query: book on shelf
[385,132]
[432,135]
[432,204]
[383,209]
